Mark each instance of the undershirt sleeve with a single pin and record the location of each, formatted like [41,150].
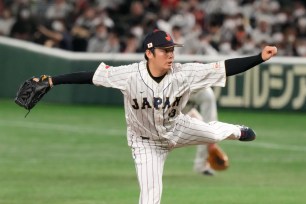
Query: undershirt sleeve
[73,78]
[239,65]
[232,66]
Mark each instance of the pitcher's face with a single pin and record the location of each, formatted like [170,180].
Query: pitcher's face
[161,60]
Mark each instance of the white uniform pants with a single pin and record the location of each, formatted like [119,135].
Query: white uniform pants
[150,155]
[206,109]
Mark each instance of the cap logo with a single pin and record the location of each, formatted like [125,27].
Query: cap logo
[150,45]
[168,37]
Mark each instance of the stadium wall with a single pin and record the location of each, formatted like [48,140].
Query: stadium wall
[279,84]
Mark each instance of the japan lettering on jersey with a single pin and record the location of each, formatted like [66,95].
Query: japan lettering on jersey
[151,107]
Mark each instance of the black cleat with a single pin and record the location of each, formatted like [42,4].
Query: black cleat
[208,172]
[247,134]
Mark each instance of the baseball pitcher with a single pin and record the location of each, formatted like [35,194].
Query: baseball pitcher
[155,92]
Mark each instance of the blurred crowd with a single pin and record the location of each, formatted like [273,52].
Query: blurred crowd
[207,27]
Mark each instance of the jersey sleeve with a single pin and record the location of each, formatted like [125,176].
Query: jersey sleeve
[205,75]
[113,77]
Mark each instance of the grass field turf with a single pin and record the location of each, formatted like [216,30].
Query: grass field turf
[69,154]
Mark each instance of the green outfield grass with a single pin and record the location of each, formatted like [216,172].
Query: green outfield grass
[68,154]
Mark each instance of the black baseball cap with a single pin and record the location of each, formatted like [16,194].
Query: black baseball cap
[159,39]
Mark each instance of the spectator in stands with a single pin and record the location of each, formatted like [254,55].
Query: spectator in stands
[80,6]
[192,40]
[6,22]
[112,44]
[225,48]
[2,7]
[131,44]
[239,23]
[83,28]
[170,4]
[214,28]
[204,47]
[24,27]
[109,4]
[97,42]
[87,20]
[301,27]
[136,15]
[300,47]
[60,9]
[178,37]
[40,10]
[249,46]
[80,37]
[262,32]
[183,18]
[57,36]
[290,39]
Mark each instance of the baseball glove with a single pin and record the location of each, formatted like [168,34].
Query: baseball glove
[217,158]
[32,91]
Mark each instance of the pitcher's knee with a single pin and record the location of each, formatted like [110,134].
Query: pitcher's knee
[217,138]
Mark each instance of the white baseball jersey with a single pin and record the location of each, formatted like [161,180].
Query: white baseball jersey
[155,124]
[151,108]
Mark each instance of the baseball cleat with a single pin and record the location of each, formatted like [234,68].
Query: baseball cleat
[208,172]
[247,134]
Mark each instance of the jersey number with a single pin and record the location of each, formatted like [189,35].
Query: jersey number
[172,113]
